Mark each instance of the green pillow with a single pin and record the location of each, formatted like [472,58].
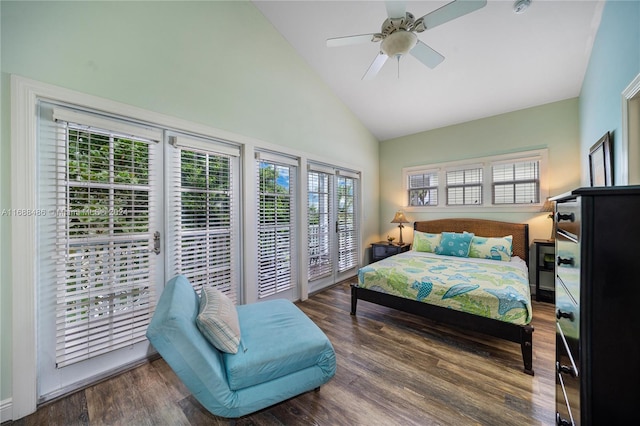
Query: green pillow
[218,320]
[424,241]
[454,244]
[496,248]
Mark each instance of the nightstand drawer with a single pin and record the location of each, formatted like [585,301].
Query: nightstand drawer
[383,249]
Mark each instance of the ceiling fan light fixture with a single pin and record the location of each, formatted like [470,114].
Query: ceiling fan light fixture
[398,43]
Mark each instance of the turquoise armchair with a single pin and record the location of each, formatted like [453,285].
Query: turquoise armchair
[283,353]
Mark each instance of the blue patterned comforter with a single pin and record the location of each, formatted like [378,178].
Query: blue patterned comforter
[488,288]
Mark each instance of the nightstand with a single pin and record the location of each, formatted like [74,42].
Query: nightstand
[383,249]
[545,270]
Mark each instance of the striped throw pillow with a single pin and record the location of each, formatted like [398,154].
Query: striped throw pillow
[218,320]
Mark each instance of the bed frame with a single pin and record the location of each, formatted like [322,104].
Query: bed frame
[522,334]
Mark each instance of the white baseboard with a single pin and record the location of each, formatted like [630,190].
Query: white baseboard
[6,410]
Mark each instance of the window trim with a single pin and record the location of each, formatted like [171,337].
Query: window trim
[541,155]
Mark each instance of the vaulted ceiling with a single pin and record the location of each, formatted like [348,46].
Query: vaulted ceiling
[496,61]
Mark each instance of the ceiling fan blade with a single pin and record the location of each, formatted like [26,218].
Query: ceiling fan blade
[396,9]
[375,66]
[348,40]
[426,55]
[448,12]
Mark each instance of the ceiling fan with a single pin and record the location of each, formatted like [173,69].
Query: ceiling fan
[398,34]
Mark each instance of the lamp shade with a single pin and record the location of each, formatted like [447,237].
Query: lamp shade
[547,206]
[399,218]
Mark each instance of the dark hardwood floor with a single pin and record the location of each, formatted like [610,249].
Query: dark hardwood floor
[393,368]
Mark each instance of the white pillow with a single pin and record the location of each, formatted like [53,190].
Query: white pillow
[218,320]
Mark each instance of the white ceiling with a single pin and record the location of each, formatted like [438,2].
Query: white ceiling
[496,61]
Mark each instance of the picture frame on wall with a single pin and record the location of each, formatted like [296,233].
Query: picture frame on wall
[600,162]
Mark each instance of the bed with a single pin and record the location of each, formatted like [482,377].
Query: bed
[400,282]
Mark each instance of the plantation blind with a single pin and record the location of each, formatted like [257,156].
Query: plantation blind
[203,228]
[347,224]
[96,180]
[464,186]
[320,181]
[276,192]
[423,188]
[516,182]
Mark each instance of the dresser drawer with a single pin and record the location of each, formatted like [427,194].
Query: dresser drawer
[565,412]
[567,312]
[568,264]
[567,379]
[567,217]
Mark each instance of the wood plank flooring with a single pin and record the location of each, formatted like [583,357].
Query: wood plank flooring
[393,369]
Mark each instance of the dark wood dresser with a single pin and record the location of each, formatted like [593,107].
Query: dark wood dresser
[598,306]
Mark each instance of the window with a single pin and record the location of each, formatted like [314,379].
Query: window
[464,187]
[319,215]
[347,222]
[202,188]
[128,170]
[333,226]
[423,189]
[100,198]
[277,267]
[515,180]
[516,183]
[101,250]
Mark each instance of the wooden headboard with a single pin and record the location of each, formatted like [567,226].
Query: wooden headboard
[482,228]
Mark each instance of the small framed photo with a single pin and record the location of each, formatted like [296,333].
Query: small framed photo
[600,162]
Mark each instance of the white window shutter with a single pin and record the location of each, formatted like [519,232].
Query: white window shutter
[203,234]
[277,232]
[321,229]
[100,226]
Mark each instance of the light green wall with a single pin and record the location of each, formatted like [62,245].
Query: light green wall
[221,64]
[553,126]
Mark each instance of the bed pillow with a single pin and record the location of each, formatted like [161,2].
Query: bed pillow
[218,320]
[496,248]
[454,244]
[424,241]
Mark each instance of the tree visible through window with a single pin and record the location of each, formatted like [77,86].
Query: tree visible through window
[347,223]
[319,216]
[276,227]
[204,220]
[105,298]
[515,180]
[423,189]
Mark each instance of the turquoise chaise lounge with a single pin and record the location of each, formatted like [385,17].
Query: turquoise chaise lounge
[282,353]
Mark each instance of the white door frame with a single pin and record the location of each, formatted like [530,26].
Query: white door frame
[630,148]
[25,94]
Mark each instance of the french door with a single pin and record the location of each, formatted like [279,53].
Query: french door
[333,218]
[98,263]
[277,230]
[105,247]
